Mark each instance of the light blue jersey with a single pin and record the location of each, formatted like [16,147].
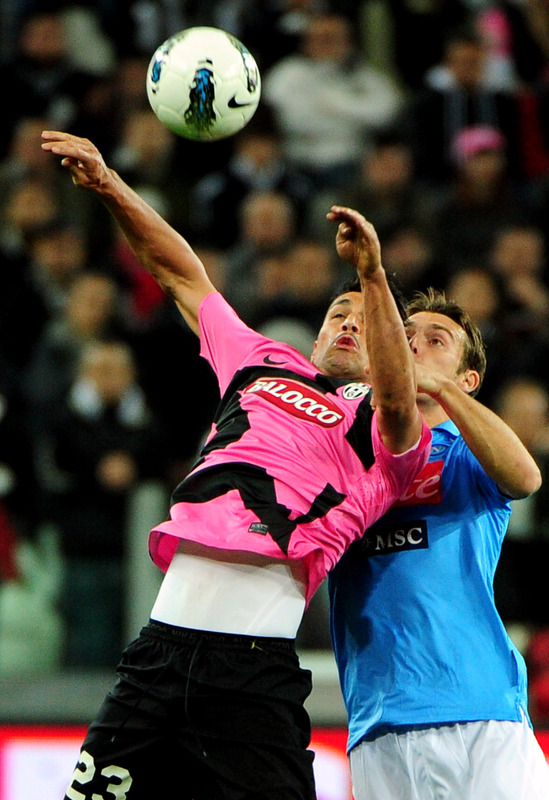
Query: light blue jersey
[417,637]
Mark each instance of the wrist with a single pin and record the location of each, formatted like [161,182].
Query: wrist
[448,392]
[371,273]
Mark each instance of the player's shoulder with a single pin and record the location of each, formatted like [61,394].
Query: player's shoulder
[447,440]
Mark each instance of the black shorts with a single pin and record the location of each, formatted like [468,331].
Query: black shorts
[200,716]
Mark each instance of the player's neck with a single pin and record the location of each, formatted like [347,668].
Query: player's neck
[433,413]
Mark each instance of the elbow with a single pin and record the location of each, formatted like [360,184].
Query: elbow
[529,483]
[400,429]
[534,481]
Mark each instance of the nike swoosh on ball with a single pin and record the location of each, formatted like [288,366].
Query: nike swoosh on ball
[233,103]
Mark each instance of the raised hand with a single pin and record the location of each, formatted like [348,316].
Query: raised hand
[159,247]
[80,157]
[356,240]
[428,381]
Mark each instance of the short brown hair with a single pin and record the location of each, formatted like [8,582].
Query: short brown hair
[436,302]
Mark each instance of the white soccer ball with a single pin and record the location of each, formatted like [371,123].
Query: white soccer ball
[203,84]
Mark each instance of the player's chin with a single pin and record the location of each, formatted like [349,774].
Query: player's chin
[346,364]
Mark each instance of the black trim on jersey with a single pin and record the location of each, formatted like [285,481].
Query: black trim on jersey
[231,425]
[255,486]
[359,436]
[243,377]
[232,421]
[328,385]
[257,490]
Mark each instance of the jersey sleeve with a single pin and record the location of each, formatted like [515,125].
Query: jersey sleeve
[485,484]
[225,340]
[402,467]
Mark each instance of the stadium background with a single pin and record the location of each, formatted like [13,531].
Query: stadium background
[38,691]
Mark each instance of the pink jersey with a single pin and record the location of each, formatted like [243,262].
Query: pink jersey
[293,467]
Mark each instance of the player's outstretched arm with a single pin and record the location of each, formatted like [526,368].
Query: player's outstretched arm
[497,447]
[392,371]
[161,250]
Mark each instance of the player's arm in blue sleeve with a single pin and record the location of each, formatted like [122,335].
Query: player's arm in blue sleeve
[162,251]
[496,446]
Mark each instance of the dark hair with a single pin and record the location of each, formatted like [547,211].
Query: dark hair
[353,285]
[435,301]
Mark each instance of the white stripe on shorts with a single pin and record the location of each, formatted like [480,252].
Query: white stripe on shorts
[490,760]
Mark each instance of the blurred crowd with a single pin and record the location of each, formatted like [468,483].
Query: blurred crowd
[431,118]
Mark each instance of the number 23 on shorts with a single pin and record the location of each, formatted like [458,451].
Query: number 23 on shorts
[85,772]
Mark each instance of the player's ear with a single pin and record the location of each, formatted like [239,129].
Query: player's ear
[469,380]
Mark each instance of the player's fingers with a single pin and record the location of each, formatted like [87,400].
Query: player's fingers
[61,136]
[348,214]
[339,213]
[48,135]
[345,229]
[65,144]
[67,149]
[71,163]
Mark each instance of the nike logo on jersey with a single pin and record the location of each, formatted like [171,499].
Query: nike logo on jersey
[233,103]
[272,362]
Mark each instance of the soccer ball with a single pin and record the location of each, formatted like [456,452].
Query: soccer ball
[203,84]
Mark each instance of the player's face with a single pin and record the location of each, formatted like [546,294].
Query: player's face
[340,348]
[437,342]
